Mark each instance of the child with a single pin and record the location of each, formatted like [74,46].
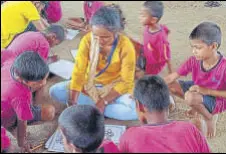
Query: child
[19,78]
[40,42]
[156,46]
[158,134]
[89,8]
[206,93]
[5,141]
[155,53]
[83,130]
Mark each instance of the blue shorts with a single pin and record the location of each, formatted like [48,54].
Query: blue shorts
[37,112]
[208,101]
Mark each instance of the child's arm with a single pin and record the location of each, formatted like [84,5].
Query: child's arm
[169,65]
[45,22]
[171,78]
[21,135]
[206,91]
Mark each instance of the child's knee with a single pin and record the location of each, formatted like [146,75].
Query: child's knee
[192,98]
[48,112]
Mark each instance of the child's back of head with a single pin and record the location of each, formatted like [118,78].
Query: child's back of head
[83,127]
[153,93]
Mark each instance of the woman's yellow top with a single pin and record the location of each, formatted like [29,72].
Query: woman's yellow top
[122,66]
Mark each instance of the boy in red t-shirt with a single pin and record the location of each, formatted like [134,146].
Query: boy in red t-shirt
[156,47]
[83,130]
[158,133]
[206,92]
[155,52]
[19,78]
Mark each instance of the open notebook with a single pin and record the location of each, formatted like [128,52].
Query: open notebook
[112,132]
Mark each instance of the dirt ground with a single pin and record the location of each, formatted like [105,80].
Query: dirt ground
[181,18]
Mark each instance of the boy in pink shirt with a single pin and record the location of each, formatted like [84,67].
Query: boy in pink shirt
[156,48]
[19,78]
[206,93]
[39,42]
[83,130]
[89,9]
[157,133]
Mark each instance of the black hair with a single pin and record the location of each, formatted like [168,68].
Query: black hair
[153,93]
[155,8]
[30,66]
[83,126]
[58,30]
[208,32]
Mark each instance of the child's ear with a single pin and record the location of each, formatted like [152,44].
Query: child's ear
[154,20]
[53,37]
[215,46]
[141,112]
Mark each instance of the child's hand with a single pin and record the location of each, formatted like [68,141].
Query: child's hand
[201,90]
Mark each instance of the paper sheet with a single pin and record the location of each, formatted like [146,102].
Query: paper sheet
[56,145]
[74,53]
[71,34]
[62,68]
[114,132]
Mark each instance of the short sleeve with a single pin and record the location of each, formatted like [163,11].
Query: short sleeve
[30,12]
[166,29]
[186,67]
[22,107]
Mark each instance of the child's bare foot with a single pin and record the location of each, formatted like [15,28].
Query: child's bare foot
[198,122]
[191,113]
[211,126]
[211,129]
